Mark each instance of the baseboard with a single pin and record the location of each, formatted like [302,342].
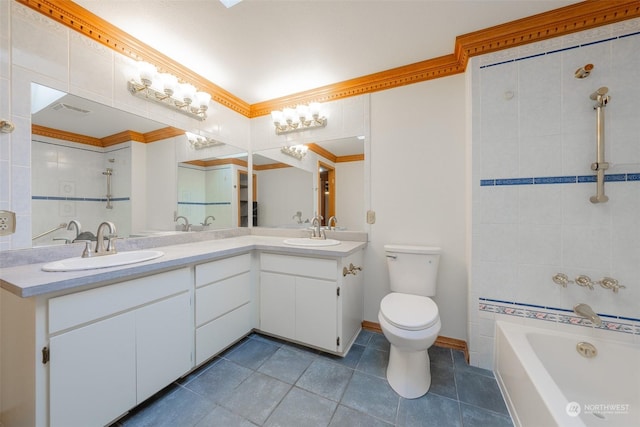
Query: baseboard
[445,342]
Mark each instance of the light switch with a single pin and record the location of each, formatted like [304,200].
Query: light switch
[371,217]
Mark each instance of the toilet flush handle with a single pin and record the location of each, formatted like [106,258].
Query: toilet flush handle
[392,256]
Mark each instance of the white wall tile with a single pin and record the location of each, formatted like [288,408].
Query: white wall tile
[559,230]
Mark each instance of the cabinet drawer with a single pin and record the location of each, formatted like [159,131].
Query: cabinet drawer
[74,309]
[221,269]
[221,297]
[299,266]
[215,336]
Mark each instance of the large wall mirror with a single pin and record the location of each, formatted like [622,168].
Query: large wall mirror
[329,179]
[88,165]
[213,192]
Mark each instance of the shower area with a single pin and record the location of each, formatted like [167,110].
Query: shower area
[555,181]
[76,182]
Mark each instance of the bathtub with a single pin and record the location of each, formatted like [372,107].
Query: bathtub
[546,382]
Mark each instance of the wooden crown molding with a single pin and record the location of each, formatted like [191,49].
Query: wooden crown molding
[217,162]
[107,141]
[569,19]
[65,136]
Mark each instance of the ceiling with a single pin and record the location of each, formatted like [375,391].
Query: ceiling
[260,50]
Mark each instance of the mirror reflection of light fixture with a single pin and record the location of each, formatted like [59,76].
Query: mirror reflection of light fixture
[303,117]
[164,88]
[297,151]
[198,142]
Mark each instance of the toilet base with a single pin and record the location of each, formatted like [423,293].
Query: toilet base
[409,372]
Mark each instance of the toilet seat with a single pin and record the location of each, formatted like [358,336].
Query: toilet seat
[409,312]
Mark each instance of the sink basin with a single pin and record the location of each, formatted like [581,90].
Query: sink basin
[306,241]
[103,261]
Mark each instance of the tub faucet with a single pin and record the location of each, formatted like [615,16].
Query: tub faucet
[111,247]
[587,312]
[205,223]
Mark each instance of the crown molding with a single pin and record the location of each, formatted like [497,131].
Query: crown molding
[107,141]
[65,136]
[558,22]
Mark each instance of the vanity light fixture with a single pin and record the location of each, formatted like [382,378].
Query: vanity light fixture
[303,117]
[297,151]
[165,89]
[198,142]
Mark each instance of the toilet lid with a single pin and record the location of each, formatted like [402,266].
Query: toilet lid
[410,312]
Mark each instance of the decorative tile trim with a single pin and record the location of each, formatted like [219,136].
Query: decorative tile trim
[560,315]
[563,49]
[81,199]
[569,179]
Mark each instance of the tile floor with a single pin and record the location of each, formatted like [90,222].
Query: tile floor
[267,382]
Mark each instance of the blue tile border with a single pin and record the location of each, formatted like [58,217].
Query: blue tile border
[556,314]
[564,49]
[80,199]
[568,179]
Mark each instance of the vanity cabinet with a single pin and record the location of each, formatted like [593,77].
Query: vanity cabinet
[223,304]
[310,301]
[110,348]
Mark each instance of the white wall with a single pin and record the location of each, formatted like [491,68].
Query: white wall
[532,119]
[281,193]
[418,189]
[350,207]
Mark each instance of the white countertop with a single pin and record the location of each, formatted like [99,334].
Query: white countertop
[30,281]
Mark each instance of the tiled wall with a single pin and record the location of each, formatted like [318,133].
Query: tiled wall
[533,143]
[206,191]
[67,183]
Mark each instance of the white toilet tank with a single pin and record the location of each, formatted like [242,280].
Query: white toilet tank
[413,269]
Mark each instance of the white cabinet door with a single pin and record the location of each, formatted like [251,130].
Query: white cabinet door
[164,336]
[93,373]
[316,312]
[277,304]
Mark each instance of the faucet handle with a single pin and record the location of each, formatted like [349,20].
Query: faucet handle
[584,281]
[87,252]
[111,245]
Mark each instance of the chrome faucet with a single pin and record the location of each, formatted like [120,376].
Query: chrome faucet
[77,226]
[205,223]
[111,236]
[318,232]
[335,223]
[186,226]
[587,312]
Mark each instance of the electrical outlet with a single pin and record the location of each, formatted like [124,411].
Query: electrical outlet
[7,223]
[371,217]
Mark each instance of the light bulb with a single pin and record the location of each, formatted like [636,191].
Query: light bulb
[147,72]
[169,83]
[203,100]
[188,93]
[276,116]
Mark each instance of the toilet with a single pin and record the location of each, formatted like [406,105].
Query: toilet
[409,318]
